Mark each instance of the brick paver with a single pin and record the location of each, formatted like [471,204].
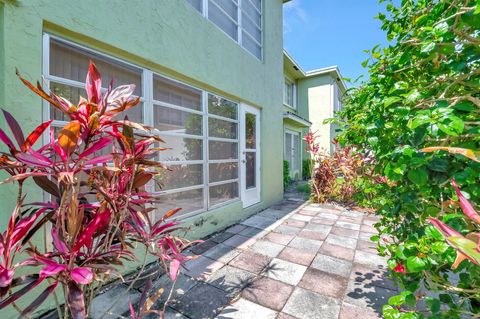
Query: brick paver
[294,260]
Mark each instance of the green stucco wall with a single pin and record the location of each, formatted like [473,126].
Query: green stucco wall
[165,36]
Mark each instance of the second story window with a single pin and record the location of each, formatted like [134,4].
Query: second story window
[241,20]
[289,93]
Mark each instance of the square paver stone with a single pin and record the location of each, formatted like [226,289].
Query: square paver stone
[231,279]
[236,229]
[239,241]
[258,222]
[297,256]
[312,234]
[222,253]
[282,239]
[182,285]
[268,292]
[203,247]
[243,309]
[312,208]
[368,229]
[365,235]
[108,305]
[337,251]
[221,237]
[367,296]
[349,311]
[252,232]
[341,241]
[330,216]
[267,248]
[347,225]
[203,301]
[352,213]
[295,223]
[354,220]
[202,267]
[285,271]
[273,213]
[283,315]
[324,229]
[323,221]
[339,231]
[372,276]
[307,212]
[306,304]
[324,283]
[289,230]
[310,245]
[303,218]
[332,265]
[375,260]
[367,246]
[251,261]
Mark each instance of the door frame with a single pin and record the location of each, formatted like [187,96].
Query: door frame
[245,108]
[293,134]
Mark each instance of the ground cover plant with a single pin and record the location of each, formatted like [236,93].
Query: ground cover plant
[419,115]
[96,170]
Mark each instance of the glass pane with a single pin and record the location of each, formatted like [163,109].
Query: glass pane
[251,28]
[179,176]
[170,120]
[251,46]
[72,63]
[258,4]
[68,92]
[188,201]
[222,150]
[229,6]
[224,129]
[252,12]
[197,4]
[288,148]
[222,20]
[135,114]
[250,132]
[223,193]
[172,92]
[223,172]
[222,107]
[296,152]
[180,149]
[250,168]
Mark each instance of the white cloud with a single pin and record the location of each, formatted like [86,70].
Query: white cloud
[293,13]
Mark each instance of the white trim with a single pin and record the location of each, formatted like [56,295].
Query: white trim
[297,119]
[250,196]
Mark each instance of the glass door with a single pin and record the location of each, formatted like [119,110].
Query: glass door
[250,154]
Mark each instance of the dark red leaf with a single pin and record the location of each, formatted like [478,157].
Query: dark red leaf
[39,300]
[75,301]
[93,84]
[15,128]
[104,141]
[47,185]
[17,294]
[99,221]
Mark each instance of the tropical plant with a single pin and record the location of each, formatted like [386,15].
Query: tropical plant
[418,114]
[96,170]
[286,174]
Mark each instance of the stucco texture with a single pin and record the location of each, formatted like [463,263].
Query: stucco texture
[168,37]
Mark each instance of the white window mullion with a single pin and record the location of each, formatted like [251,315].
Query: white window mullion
[147,91]
[206,168]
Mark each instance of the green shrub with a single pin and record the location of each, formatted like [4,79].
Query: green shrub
[422,92]
[304,188]
[286,174]
[306,169]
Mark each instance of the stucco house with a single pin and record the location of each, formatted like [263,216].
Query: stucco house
[212,76]
[309,98]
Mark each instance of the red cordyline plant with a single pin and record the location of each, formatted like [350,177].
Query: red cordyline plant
[335,176]
[96,169]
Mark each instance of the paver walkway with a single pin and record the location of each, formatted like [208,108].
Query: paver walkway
[293,260]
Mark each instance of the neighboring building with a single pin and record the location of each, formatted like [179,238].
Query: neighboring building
[309,98]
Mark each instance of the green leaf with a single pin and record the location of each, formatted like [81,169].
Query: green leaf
[390,100]
[441,28]
[433,304]
[453,126]
[433,232]
[397,300]
[418,176]
[416,264]
[428,47]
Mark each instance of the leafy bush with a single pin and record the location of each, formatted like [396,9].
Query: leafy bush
[306,169]
[304,188]
[418,114]
[96,169]
[286,174]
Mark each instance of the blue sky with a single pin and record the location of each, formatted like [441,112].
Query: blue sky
[321,33]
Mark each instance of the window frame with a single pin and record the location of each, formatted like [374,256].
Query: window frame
[239,23]
[146,81]
[288,81]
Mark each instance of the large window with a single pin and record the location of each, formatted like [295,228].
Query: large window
[239,19]
[200,129]
[289,92]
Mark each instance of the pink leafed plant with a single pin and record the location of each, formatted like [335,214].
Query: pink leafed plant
[96,169]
